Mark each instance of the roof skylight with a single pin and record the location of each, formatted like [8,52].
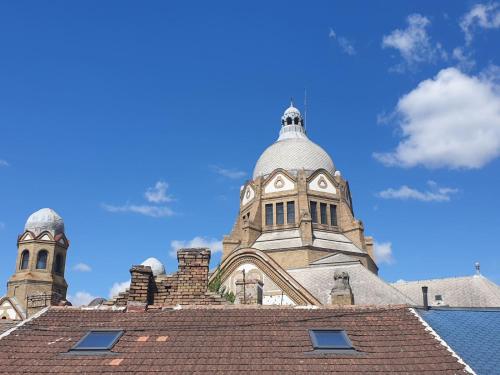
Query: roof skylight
[330,339]
[98,340]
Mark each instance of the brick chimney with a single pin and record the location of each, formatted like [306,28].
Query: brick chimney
[141,290]
[193,271]
[341,293]
[187,286]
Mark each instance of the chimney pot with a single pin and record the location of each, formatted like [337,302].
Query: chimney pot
[424,295]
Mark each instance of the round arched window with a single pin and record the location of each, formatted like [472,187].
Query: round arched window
[41,260]
[25,260]
[59,264]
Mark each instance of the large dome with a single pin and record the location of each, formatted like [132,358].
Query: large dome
[293,151]
[43,220]
[293,155]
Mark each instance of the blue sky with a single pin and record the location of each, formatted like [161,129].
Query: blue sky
[101,101]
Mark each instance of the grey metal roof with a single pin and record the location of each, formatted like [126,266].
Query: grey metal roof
[473,334]
[288,239]
[45,219]
[368,288]
[284,239]
[334,241]
[469,291]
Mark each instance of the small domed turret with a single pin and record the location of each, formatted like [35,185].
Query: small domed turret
[291,116]
[156,266]
[43,220]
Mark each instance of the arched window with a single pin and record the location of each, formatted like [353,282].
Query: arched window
[296,120]
[25,260]
[59,264]
[41,260]
[289,121]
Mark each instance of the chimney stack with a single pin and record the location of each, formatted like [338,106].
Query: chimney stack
[341,293]
[141,288]
[424,294]
[193,271]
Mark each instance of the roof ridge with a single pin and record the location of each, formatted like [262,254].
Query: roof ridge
[401,282]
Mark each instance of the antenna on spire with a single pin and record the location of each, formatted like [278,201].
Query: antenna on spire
[305,108]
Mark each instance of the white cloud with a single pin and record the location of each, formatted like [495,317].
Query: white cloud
[229,173]
[413,43]
[465,60]
[486,16]
[118,287]
[82,267]
[450,121]
[158,193]
[383,252]
[345,44]
[213,244]
[3,163]
[435,194]
[155,194]
[81,298]
[147,210]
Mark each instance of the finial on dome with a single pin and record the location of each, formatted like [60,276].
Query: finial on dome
[292,124]
[478,268]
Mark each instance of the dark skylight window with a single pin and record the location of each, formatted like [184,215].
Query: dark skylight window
[330,339]
[99,340]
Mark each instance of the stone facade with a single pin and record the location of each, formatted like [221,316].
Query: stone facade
[298,210]
[251,224]
[39,280]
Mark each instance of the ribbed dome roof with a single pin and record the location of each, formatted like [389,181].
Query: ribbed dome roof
[293,151]
[43,220]
[293,155]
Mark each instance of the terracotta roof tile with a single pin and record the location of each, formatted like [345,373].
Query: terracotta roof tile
[226,341]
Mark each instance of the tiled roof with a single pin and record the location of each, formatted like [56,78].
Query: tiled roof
[471,291]
[367,288]
[228,340]
[5,325]
[473,334]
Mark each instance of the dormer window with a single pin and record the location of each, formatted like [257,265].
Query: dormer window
[314,212]
[322,211]
[41,260]
[290,212]
[269,214]
[98,341]
[333,215]
[280,214]
[330,339]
